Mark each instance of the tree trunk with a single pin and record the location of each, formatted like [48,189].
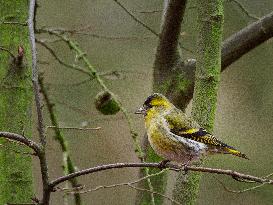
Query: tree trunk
[167,56]
[207,75]
[16,185]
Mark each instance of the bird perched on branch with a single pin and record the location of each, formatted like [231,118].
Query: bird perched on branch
[176,137]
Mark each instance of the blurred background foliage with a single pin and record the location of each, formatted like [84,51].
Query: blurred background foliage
[123,51]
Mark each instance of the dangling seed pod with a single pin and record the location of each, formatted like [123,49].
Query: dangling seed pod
[106,104]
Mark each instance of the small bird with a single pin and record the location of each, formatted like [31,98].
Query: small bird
[176,137]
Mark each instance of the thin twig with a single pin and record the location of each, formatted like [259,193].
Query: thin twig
[14,23]
[156,193]
[129,184]
[52,52]
[99,36]
[73,191]
[8,51]
[151,11]
[136,19]
[240,191]
[242,7]
[145,25]
[74,128]
[21,204]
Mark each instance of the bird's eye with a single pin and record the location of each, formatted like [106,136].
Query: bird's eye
[147,106]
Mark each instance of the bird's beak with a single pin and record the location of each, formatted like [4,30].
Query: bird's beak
[141,110]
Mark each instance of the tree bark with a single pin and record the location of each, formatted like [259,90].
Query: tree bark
[167,56]
[207,75]
[16,185]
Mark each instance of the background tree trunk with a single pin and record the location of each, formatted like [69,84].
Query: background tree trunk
[207,75]
[16,185]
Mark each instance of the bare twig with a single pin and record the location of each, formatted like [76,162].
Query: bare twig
[242,7]
[22,139]
[14,23]
[231,173]
[151,11]
[73,191]
[129,184]
[41,154]
[75,128]
[21,204]
[155,193]
[8,51]
[52,52]
[81,31]
[143,24]
[240,191]
[136,19]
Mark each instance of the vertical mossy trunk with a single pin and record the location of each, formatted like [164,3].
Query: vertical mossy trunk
[166,82]
[208,67]
[16,185]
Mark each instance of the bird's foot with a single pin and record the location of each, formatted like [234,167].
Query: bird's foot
[184,167]
[162,164]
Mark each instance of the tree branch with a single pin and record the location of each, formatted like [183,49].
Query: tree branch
[52,52]
[41,154]
[135,18]
[172,167]
[35,72]
[22,139]
[246,39]
[233,48]
[167,52]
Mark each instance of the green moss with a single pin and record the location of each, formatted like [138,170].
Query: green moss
[16,185]
[164,86]
[182,83]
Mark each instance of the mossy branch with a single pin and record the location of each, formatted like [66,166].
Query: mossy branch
[68,164]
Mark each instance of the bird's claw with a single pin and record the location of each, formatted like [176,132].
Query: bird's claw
[162,164]
[184,167]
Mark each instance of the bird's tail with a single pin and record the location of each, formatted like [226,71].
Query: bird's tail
[231,150]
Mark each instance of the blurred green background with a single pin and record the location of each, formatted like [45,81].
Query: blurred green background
[115,42]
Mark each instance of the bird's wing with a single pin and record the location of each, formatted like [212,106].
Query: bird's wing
[183,126]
